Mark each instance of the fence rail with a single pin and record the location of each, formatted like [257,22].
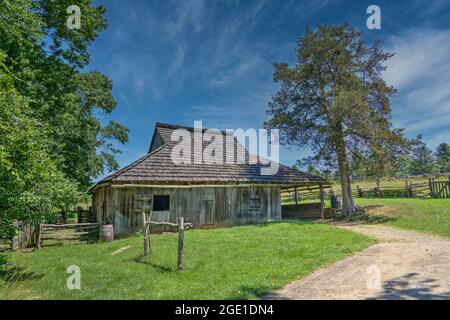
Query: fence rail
[75,233]
[430,189]
[5,244]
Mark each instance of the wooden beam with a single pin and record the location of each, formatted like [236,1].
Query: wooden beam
[180,244]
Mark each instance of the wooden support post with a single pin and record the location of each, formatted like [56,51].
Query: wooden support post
[15,240]
[180,243]
[430,184]
[15,243]
[92,217]
[146,225]
[408,190]
[39,238]
[296,195]
[360,193]
[322,203]
[79,214]
[377,192]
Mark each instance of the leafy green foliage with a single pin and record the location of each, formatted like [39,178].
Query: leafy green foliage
[52,142]
[421,160]
[443,157]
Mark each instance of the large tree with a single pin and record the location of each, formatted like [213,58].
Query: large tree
[442,155]
[46,60]
[335,101]
[52,142]
[421,160]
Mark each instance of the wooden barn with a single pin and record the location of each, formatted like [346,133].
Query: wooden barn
[205,194]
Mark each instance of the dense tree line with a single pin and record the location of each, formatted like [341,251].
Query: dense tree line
[52,143]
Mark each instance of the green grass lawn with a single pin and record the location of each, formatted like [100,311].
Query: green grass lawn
[229,263]
[425,215]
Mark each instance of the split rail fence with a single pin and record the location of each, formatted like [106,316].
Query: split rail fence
[68,234]
[438,189]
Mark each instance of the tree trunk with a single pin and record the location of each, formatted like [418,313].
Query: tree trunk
[348,206]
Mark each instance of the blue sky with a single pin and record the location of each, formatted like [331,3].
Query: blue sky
[185,60]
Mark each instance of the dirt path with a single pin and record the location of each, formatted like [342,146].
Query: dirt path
[410,265]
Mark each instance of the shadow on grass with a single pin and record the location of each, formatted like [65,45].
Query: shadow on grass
[297,221]
[409,286]
[248,292]
[12,273]
[145,260]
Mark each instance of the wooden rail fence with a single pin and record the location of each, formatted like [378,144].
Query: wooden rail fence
[5,244]
[438,189]
[75,233]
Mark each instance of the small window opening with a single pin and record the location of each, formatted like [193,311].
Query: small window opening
[161,202]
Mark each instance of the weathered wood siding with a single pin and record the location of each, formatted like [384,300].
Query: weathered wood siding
[204,207]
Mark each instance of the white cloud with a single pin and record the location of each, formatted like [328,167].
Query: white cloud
[419,54]
[420,71]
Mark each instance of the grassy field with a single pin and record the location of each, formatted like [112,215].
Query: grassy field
[241,262]
[425,215]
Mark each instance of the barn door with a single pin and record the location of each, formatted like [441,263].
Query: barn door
[207,212]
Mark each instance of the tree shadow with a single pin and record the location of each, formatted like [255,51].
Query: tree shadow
[145,260]
[248,292]
[409,287]
[364,217]
[12,273]
[282,221]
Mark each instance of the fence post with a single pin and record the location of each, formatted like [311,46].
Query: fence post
[322,203]
[38,243]
[430,185]
[296,195]
[15,238]
[92,217]
[407,189]
[146,237]
[410,190]
[377,192]
[360,194]
[180,243]
[79,214]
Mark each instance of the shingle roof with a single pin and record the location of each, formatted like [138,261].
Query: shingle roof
[157,167]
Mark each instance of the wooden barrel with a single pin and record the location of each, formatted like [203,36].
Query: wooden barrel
[107,232]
